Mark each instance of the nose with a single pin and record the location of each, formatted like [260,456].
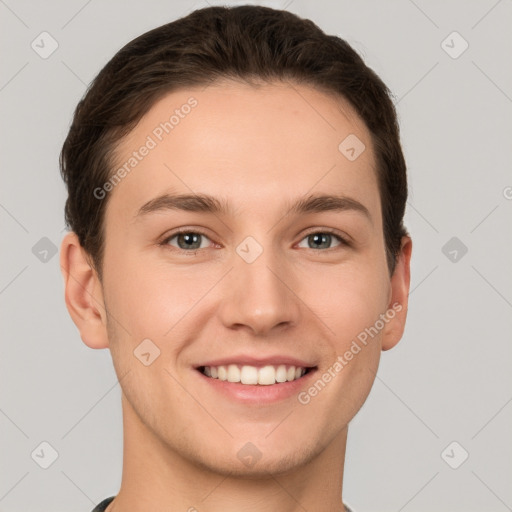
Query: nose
[258,296]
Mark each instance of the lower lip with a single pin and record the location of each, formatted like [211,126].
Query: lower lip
[257,393]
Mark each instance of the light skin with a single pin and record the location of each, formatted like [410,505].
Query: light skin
[260,149]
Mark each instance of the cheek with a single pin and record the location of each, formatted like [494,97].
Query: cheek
[349,300]
[351,311]
[157,300]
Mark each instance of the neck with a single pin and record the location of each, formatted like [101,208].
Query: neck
[157,477]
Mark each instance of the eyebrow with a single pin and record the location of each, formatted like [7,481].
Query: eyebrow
[205,203]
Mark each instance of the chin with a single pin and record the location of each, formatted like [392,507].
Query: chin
[250,462]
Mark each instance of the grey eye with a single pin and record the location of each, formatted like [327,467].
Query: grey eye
[321,240]
[188,240]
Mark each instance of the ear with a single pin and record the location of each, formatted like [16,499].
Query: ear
[399,296]
[83,293]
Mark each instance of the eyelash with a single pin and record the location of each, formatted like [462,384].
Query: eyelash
[165,243]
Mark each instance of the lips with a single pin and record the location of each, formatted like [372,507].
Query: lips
[248,360]
[258,390]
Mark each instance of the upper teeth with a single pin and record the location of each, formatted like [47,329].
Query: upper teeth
[265,375]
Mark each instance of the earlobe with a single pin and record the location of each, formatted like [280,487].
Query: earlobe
[83,293]
[400,283]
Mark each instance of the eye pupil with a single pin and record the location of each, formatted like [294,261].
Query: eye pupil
[189,240]
[321,238]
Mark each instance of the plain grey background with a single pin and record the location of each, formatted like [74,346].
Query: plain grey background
[442,394]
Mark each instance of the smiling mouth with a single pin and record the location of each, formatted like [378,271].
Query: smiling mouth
[256,375]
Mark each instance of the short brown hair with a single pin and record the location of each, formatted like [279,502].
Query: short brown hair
[241,43]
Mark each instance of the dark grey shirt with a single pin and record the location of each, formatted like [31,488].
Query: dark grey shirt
[105,503]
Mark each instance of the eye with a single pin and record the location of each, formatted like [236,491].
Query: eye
[322,240]
[187,240]
[191,241]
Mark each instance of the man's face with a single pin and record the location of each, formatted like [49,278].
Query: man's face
[256,284]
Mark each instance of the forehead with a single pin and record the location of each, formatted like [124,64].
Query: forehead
[253,143]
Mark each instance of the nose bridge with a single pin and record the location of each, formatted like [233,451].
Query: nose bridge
[257,295]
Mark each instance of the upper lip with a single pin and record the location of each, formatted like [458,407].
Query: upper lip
[274,360]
